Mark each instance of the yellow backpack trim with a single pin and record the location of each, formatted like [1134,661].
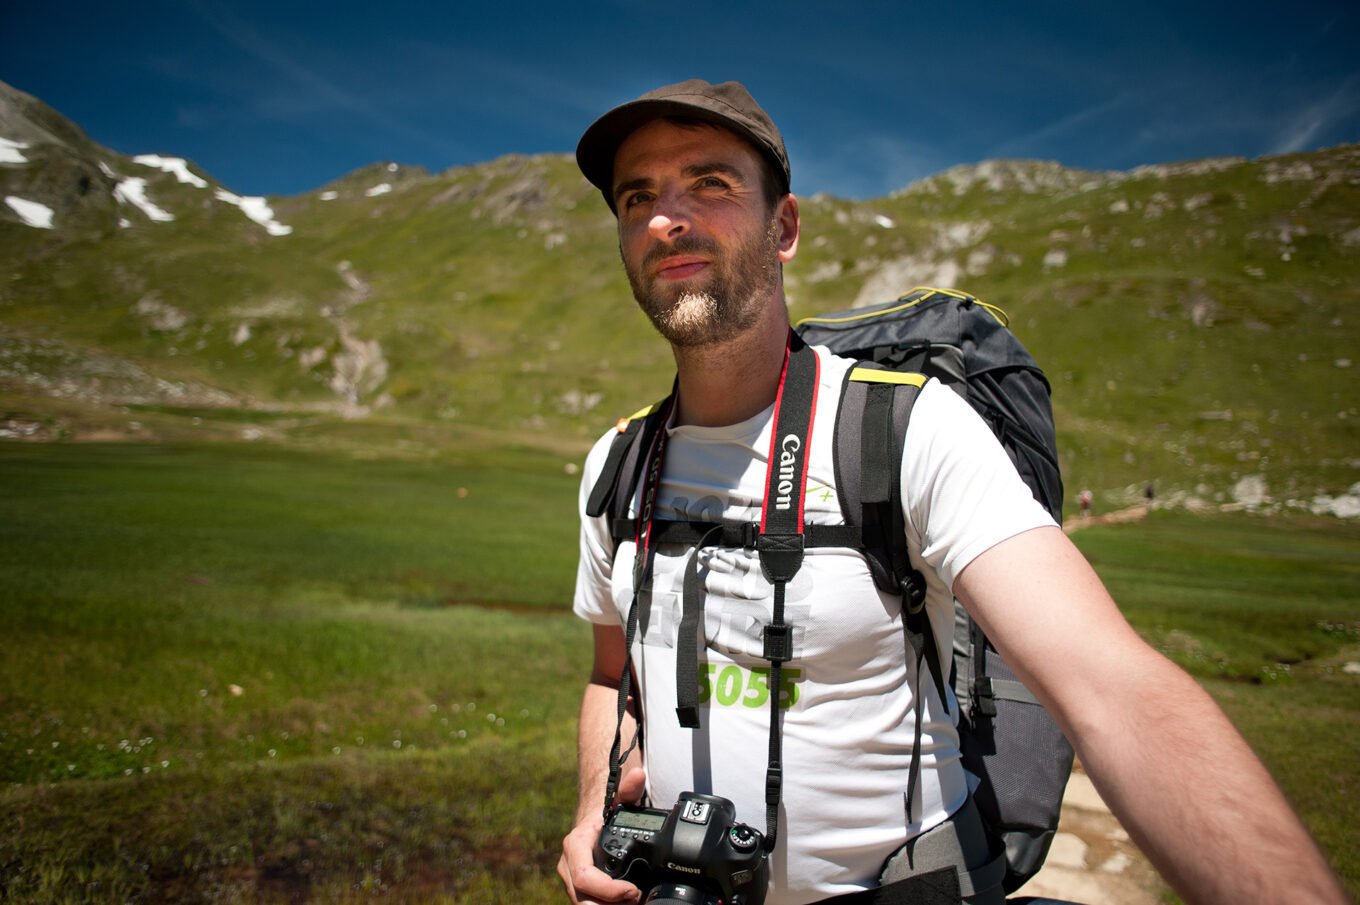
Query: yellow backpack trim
[874,375]
[622,424]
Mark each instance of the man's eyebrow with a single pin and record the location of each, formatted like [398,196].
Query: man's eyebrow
[708,169]
[693,171]
[623,187]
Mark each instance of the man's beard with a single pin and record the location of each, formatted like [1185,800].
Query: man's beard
[731,302]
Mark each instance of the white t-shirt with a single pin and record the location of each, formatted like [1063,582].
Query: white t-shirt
[848,695]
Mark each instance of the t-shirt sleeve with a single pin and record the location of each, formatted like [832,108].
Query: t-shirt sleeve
[593,600]
[961,493]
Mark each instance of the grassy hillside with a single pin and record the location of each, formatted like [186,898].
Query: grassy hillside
[1198,321]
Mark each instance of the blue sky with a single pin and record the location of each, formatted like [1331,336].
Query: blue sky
[281,97]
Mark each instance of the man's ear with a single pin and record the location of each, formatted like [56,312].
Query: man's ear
[787,216]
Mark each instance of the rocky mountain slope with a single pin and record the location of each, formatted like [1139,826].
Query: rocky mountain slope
[1198,320]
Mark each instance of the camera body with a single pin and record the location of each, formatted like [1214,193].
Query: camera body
[696,852]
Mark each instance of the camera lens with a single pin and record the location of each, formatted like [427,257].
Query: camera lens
[678,893]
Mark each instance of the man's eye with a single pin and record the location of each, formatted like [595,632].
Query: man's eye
[636,198]
[712,182]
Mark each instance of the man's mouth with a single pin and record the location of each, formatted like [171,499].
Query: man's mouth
[680,267]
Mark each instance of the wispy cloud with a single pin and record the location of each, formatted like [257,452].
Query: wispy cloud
[303,90]
[1312,123]
[1043,140]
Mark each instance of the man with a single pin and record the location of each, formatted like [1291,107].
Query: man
[698,177]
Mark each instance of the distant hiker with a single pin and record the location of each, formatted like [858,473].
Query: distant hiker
[698,177]
[1149,493]
[1085,500]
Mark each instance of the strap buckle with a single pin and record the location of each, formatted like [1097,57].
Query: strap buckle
[774,780]
[984,697]
[913,586]
[778,643]
[740,534]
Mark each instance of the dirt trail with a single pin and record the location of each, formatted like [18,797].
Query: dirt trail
[1092,860]
[1131,514]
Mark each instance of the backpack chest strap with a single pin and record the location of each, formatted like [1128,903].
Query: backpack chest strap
[744,535]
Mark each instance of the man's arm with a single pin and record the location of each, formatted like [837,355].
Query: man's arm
[595,737]
[1180,778]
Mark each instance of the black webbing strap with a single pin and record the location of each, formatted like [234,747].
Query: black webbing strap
[687,646]
[877,463]
[984,701]
[737,534]
[920,643]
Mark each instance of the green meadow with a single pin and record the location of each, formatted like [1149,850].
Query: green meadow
[238,673]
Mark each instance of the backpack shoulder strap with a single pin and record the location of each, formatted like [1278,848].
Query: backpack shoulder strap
[613,490]
[871,428]
[871,433]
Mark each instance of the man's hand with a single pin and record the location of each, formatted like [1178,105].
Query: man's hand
[585,883]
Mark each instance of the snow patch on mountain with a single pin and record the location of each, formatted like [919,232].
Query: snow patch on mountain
[176,166]
[12,151]
[133,191]
[39,216]
[257,209]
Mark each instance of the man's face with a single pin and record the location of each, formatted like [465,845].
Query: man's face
[701,247]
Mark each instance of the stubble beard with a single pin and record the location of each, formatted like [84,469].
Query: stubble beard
[733,300]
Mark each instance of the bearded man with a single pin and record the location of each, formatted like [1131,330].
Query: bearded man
[698,177]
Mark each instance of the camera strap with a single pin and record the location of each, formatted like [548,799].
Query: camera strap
[779,544]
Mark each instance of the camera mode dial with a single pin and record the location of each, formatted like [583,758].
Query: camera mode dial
[742,837]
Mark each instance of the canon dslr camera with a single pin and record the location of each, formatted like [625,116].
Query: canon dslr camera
[694,853]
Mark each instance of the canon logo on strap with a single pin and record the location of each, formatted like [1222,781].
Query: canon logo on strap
[788,459]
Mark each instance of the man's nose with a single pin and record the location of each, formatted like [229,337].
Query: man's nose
[668,223]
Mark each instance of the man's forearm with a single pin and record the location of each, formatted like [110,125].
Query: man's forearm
[595,738]
[1207,813]
[1181,779]
[599,715]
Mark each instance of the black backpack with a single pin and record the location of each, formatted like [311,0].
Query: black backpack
[1008,740]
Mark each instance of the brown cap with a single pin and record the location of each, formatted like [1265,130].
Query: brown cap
[728,105]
